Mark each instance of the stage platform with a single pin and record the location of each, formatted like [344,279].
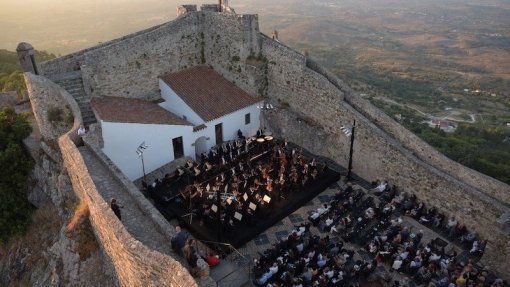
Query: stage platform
[207,229]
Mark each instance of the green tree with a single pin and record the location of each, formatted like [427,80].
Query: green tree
[16,164]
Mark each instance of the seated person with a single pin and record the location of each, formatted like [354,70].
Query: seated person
[179,240]
[382,186]
[213,260]
[369,213]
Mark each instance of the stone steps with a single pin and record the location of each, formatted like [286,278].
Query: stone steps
[72,83]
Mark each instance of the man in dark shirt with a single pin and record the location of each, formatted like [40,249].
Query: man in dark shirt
[179,240]
[116,207]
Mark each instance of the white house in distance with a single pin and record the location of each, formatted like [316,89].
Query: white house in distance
[200,110]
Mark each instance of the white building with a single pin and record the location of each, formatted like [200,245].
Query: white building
[200,110]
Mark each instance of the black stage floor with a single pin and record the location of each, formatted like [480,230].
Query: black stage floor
[243,231]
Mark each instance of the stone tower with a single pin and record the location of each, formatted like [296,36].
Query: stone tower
[26,56]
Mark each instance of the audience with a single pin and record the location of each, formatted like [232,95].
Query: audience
[246,173]
[302,259]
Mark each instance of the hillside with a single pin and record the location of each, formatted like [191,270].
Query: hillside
[11,78]
[440,60]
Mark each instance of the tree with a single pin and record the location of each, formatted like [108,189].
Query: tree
[15,209]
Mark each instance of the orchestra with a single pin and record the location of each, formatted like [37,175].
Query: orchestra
[247,174]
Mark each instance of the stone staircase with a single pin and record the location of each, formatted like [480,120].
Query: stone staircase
[72,83]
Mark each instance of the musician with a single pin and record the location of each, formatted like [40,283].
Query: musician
[269,186]
[208,166]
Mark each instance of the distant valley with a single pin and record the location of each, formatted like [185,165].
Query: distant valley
[435,61]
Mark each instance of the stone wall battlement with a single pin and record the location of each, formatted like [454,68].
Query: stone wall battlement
[135,263]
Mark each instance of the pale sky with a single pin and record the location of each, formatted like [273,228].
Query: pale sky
[62,26]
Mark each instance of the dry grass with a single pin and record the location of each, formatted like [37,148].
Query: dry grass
[26,253]
[41,234]
[80,230]
[81,213]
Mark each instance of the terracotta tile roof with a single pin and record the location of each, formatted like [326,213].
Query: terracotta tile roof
[127,110]
[208,93]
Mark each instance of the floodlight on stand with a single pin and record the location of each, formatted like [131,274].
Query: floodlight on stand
[349,132]
[139,151]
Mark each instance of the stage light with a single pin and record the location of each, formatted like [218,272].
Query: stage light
[139,151]
[349,132]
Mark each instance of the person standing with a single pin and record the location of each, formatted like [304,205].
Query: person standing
[81,132]
[116,208]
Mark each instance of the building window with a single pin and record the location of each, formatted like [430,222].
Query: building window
[247,119]
[178,147]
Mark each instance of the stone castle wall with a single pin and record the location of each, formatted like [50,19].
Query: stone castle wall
[311,113]
[490,186]
[130,67]
[50,98]
[134,263]
[313,106]
[231,47]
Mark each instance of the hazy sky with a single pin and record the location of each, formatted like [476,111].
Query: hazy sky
[62,26]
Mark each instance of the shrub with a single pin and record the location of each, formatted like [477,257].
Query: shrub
[55,115]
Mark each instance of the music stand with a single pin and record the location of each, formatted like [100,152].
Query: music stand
[267,199]
[252,206]
[238,216]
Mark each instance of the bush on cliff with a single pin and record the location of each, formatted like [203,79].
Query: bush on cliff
[16,164]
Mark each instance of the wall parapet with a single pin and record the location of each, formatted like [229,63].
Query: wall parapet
[161,223]
[490,186]
[46,96]
[310,93]
[183,9]
[134,263]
